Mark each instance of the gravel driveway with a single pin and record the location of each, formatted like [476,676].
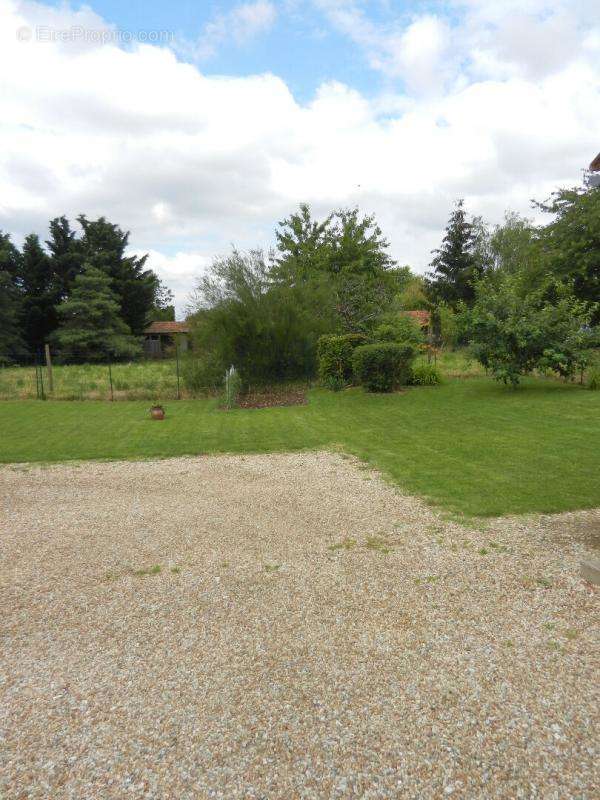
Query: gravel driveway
[286,626]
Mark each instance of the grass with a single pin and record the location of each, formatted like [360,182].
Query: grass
[472,446]
[141,380]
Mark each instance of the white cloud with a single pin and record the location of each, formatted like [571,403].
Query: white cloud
[243,23]
[191,163]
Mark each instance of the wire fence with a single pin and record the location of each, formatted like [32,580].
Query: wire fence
[51,375]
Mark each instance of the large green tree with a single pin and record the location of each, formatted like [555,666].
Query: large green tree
[571,242]
[66,256]
[459,262]
[39,294]
[12,346]
[516,330]
[103,246]
[92,328]
[346,256]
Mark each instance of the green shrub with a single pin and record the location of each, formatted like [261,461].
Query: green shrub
[398,328]
[381,366]
[202,373]
[334,358]
[593,380]
[425,375]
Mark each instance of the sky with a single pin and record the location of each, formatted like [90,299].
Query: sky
[199,125]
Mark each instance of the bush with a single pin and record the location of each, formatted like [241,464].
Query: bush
[593,380]
[398,328]
[382,366]
[425,375]
[334,358]
[202,373]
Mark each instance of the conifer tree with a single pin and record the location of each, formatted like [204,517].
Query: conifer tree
[91,327]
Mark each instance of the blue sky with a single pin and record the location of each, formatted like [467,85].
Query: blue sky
[301,46]
[259,105]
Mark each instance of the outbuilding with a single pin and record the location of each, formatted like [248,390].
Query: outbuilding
[161,338]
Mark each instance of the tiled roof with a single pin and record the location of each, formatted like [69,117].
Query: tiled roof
[168,327]
[595,165]
[422,317]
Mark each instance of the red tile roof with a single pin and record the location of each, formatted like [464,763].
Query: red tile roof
[422,317]
[168,327]
[595,165]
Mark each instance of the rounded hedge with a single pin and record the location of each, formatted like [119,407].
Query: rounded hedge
[334,357]
[382,366]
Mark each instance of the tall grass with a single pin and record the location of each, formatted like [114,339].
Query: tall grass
[144,380]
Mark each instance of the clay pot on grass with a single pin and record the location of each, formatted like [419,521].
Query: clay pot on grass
[157,412]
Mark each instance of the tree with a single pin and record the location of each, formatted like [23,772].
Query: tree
[39,294]
[164,305]
[91,327]
[242,316]
[12,346]
[302,247]
[103,246]
[516,331]
[66,256]
[571,243]
[515,247]
[459,262]
[345,257]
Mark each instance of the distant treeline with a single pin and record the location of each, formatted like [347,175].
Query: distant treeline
[80,292]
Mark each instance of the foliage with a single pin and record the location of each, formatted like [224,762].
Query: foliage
[164,305]
[515,246]
[233,385]
[457,264]
[398,328]
[345,255]
[103,246]
[571,242]
[382,366]
[12,345]
[242,316]
[413,295]
[425,375]
[202,372]
[38,314]
[515,332]
[334,358]
[91,327]
[593,379]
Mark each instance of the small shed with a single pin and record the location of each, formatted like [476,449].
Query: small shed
[160,338]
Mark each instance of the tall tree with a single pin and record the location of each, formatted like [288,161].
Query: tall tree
[39,294]
[164,305]
[12,346]
[104,245]
[456,265]
[571,242]
[91,326]
[343,256]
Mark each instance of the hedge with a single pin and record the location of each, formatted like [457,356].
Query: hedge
[382,366]
[334,357]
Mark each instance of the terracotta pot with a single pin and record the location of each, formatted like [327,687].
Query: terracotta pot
[157,412]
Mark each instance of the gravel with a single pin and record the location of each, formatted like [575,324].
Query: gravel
[311,633]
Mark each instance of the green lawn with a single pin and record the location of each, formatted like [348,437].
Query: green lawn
[470,446]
